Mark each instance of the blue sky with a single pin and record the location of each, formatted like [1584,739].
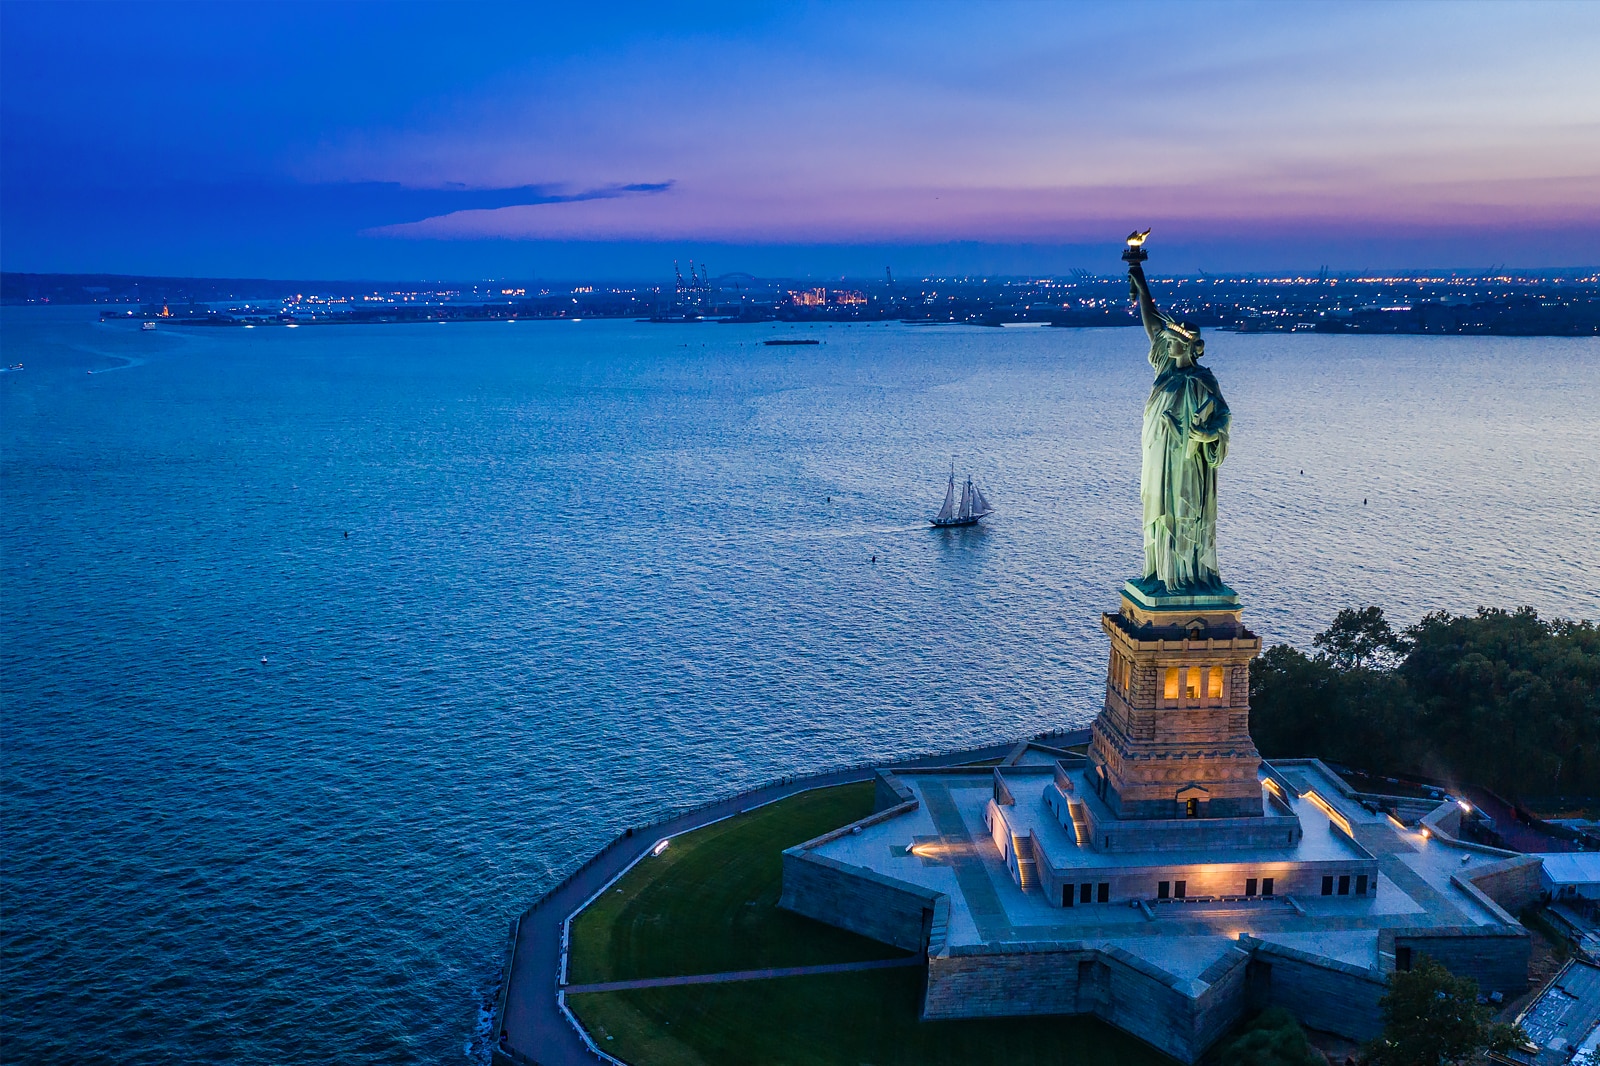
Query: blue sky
[465,141]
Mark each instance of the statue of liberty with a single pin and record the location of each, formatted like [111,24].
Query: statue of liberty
[1185,440]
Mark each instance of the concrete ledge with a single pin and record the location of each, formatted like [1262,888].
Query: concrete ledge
[1272,773]
[889,791]
[1327,994]
[1509,885]
[1055,752]
[1217,970]
[861,901]
[1349,969]
[1144,967]
[1444,822]
[860,823]
[939,926]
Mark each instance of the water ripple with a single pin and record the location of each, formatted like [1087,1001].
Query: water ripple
[590,575]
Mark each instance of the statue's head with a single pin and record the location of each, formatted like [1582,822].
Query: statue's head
[1187,344]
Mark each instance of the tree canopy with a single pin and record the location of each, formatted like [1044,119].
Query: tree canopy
[1433,1018]
[1501,698]
[1274,1038]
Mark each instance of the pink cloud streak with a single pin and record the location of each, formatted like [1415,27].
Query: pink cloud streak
[1066,214]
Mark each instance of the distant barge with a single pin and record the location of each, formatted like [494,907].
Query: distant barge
[777,343]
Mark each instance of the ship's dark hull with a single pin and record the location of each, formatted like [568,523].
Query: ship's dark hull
[951,523]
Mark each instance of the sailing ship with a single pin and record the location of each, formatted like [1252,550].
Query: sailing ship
[972,507]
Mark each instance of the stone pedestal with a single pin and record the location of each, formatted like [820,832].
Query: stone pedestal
[1173,741]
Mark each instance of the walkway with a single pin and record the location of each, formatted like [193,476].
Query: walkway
[746,975]
[972,873]
[532,1027]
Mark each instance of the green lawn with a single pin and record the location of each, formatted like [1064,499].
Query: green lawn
[847,1019]
[709,904]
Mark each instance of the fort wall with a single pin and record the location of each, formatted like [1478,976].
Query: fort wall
[858,900]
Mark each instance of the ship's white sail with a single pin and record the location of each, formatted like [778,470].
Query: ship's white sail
[949,508]
[980,506]
[973,505]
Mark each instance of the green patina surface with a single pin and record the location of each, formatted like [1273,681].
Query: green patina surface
[1185,439]
[709,905]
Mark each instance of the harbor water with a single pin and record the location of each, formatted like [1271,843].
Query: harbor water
[325,650]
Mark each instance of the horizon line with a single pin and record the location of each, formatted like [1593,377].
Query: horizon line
[1074,274]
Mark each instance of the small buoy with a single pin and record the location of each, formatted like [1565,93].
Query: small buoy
[263,660]
[347,534]
[1363,501]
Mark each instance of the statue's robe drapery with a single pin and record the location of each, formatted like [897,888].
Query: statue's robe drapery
[1185,440]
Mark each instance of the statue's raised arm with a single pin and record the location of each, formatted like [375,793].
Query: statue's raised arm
[1138,288]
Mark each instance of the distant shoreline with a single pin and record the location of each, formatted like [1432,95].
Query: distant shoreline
[1444,304]
[1516,328]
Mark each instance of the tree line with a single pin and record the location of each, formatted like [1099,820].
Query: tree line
[1501,698]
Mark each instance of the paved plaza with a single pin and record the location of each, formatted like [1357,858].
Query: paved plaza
[977,852]
[954,854]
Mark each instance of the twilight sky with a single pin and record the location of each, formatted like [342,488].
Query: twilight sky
[463,141]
